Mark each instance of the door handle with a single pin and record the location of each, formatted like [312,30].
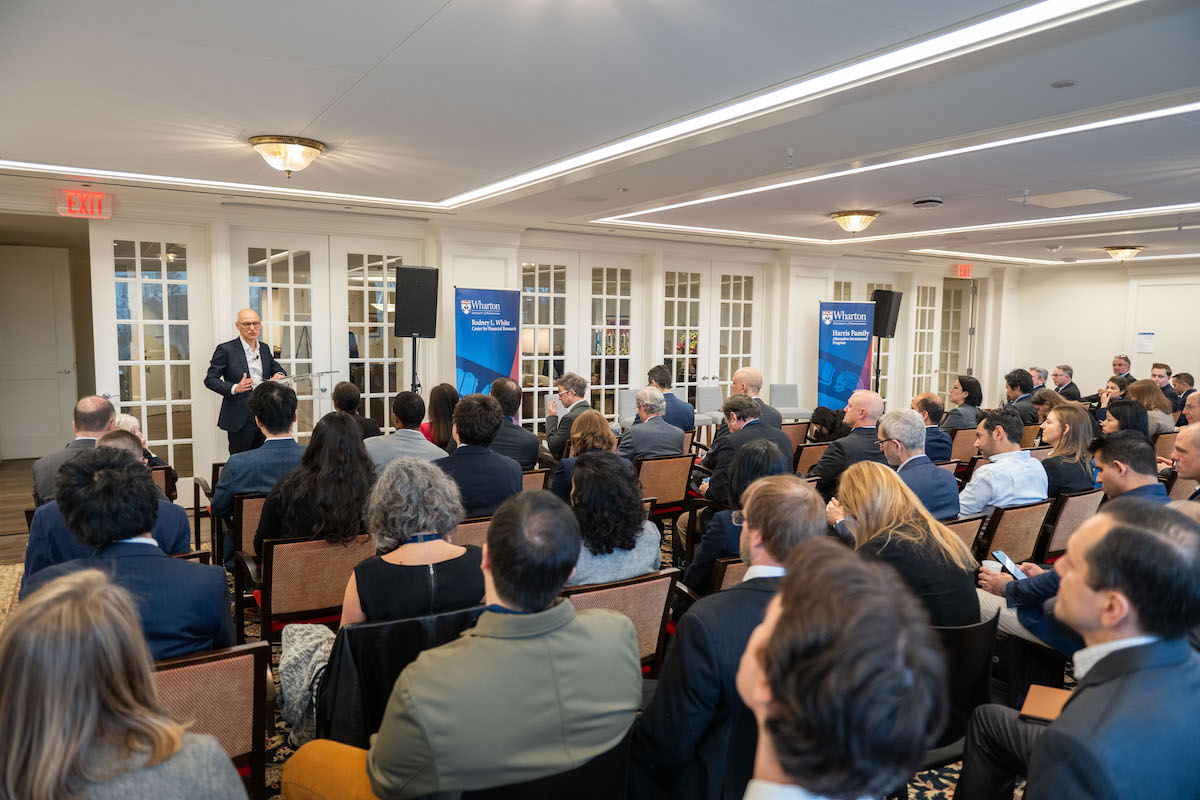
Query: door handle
[64,372]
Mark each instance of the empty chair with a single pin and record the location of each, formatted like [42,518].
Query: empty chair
[645,600]
[471,531]
[1069,511]
[626,407]
[807,455]
[202,494]
[785,398]
[962,445]
[665,478]
[708,405]
[1016,530]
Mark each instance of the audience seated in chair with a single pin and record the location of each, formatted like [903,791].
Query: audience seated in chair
[1191,401]
[844,678]
[534,689]
[590,433]
[1160,376]
[1038,375]
[863,410]
[346,397]
[128,422]
[937,442]
[571,394]
[1127,467]
[322,498]
[901,439]
[1068,431]
[1130,587]
[93,417]
[1018,386]
[1125,415]
[967,395]
[696,739]
[407,441]
[618,541]
[110,502]
[1114,389]
[679,413]
[485,479]
[744,425]
[80,706]
[50,542]
[1186,455]
[1011,476]
[512,440]
[827,425]
[1185,386]
[746,381]
[1063,378]
[655,436]
[443,399]
[1159,411]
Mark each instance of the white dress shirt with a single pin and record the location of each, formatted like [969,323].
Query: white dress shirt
[254,361]
[1088,657]
[765,790]
[1008,479]
[763,571]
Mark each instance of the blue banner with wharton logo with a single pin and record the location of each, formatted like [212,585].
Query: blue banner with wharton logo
[843,351]
[486,334]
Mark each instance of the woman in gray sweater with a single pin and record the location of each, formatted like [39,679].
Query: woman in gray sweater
[618,541]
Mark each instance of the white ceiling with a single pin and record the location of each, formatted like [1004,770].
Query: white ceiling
[423,99]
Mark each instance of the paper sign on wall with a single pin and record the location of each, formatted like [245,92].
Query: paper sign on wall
[1145,342]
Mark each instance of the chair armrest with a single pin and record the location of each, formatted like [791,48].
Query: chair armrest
[698,445]
[248,563]
[682,599]
[203,486]
[697,469]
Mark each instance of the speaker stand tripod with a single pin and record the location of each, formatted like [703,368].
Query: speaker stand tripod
[416,385]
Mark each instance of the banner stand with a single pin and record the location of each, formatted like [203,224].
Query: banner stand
[844,351]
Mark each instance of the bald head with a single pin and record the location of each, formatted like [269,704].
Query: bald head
[863,409]
[1186,454]
[94,416]
[747,381]
[249,325]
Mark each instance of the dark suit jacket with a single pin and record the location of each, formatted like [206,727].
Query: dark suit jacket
[679,413]
[656,438]
[1172,398]
[45,469]
[517,443]
[254,472]
[558,431]
[937,443]
[696,738]
[225,370]
[725,450]
[564,471]
[768,415]
[1069,391]
[935,487]
[946,591]
[859,445]
[369,426]
[183,606]
[486,479]
[1128,730]
[1182,402]
[50,542]
[721,538]
[1024,406]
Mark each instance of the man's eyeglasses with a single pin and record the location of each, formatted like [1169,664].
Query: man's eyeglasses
[250,324]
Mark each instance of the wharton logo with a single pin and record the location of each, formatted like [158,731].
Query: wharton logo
[465,305]
[827,317]
[479,307]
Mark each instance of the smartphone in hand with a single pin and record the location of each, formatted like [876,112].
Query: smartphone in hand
[1003,558]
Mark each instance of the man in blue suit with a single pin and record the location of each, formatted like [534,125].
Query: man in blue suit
[485,478]
[110,502]
[679,413]
[938,443]
[237,367]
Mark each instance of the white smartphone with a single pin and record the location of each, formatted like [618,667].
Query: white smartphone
[1003,558]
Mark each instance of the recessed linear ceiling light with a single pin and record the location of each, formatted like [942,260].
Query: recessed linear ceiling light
[1049,262]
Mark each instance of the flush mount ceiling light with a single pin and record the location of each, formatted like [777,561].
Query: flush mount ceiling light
[287,154]
[1124,252]
[854,222]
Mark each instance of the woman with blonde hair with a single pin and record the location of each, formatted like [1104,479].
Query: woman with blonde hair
[80,709]
[590,432]
[1068,430]
[891,525]
[1158,407]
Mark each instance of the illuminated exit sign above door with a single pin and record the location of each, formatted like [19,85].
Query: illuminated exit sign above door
[83,203]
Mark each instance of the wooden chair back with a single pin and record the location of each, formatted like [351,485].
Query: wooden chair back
[727,571]
[689,436]
[1017,530]
[303,579]
[29,512]
[247,511]
[202,493]
[164,481]
[223,693]
[1040,453]
[972,465]
[967,528]
[1164,444]
[962,444]
[471,531]
[199,556]
[534,479]
[949,466]
[807,455]
[665,478]
[645,600]
[797,432]
[1069,512]
[1029,435]
[1182,488]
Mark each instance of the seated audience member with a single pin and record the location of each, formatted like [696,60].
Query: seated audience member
[93,417]
[407,441]
[901,438]
[890,524]
[1018,386]
[827,424]
[590,432]
[1185,386]
[512,440]
[346,397]
[745,426]
[411,510]
[1159,411]
[1186,455]
[1121,366]
[1068,431]
[618,541]
[1045,400]
[257,471]
[571,391]
[721,537]
[443,399]
[746,381]
[110,502]
[679,413]
[937,442]
[967,394]
[128,422]
[845,680]
[1038,375]
[1126,467]
[484,478]
[1011,476]
[1063,378]
[1126,415]
[1130,587]
[655,436]
[51,542]
[1191,409]
[1160,376]
[863,410]
[76,682]
[534,689]
[1113,390]
[696,739]
[323,498]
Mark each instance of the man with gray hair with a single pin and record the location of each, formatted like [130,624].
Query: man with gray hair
[902,440]
[1063,377]
[571,391]
[655,436]
[1039,375]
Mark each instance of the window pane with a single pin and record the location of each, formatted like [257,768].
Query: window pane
[152,261]
[301,269]
[125,343]
[181,422]
[156,423]
[152,301]
[123,308]
[257,257]
[177,304]
[303,305]
[279,266]
[176,261]
[182,461]
[181,383]
[180,350]
[129,378]
[156,383]
[257,293]
[155,348]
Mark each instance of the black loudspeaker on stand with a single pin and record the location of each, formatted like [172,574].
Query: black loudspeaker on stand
[416,308]
[887,314]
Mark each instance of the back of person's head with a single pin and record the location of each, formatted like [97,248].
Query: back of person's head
[533,544]
[906,427]
[857,679]
[1129,448]
[786,511]
[442,401]
[973,389]
[106,495]
[1049,397]
[93,414]
[411,496]
[120,439]
[878,503]
[346,397]
[827,424]
[591,431]
[753,460]
[1152,556]
[607,502]
[478,418]
[741,406]
[869,401]
[409,408]
[1007,420]
[77,691]
[1077,437]
[1041,374]
[661,376]
[334,477]
[127,422]
[1186,379]
[508,394]
[1189,509]
[1130,416]
[651,400]
[930,405]
[1019,379]
[1149,394]
[274,406]
[570,382]
[751,377]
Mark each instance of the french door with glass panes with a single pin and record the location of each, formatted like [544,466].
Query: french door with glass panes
[285,278]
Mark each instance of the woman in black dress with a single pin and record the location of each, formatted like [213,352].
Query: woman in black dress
[1068,430]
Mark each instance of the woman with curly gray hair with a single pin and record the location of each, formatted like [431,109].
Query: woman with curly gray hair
[411,510]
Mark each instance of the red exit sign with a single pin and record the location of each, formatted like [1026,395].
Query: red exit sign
[83,203]
[963,270]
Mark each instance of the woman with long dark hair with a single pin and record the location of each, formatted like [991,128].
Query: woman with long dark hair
[440,428]
[1125,415]
[323,498]
[618,541]
[967,393]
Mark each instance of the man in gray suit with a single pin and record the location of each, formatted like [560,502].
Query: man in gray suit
[408,409]
[571,391]
[94,417]
[655,436]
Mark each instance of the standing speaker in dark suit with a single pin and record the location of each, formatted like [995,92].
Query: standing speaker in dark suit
[238,366]
[484,478]
[742,416]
